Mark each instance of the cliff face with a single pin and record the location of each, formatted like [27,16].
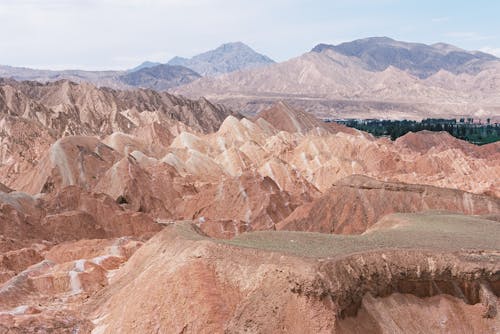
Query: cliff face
[242,285]
[278,282]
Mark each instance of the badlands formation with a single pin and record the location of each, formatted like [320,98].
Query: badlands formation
[143,212]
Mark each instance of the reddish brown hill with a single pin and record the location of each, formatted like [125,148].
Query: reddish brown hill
[68,214]
[285,118]
[23,143]
[86,162]
[357,202]
[424,141]
[254,201]
[71,160]
[156,189]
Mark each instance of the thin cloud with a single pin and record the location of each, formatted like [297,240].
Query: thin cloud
[160,57]
[469,36]
[440,19]
[491,50]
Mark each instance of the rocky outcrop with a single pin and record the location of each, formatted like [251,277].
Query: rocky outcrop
[48,296]
[4,188]
[259,283]
[441,313]
[255,201]
[357,202]
[69,214]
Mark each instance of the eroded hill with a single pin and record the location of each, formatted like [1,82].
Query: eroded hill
[140,211]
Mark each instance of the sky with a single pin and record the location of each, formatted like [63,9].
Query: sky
[120,34]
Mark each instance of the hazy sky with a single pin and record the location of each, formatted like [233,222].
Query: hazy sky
[119,34]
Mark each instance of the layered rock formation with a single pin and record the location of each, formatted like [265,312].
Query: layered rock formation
[285,156]
[33,116]
[72,108]
[146,212]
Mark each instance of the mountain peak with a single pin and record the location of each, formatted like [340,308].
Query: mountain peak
[228,57]
[378,39]
[233,45]
[146,64]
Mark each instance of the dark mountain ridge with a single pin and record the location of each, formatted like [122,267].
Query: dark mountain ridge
[421,60]
[160,77]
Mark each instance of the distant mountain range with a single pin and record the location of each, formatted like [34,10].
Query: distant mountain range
[158,77]
[374,77]
[226,58]
[369,78]
[421,60]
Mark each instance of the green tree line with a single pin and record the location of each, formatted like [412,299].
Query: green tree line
[466,129]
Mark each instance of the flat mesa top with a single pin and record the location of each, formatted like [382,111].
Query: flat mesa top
[433,231]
